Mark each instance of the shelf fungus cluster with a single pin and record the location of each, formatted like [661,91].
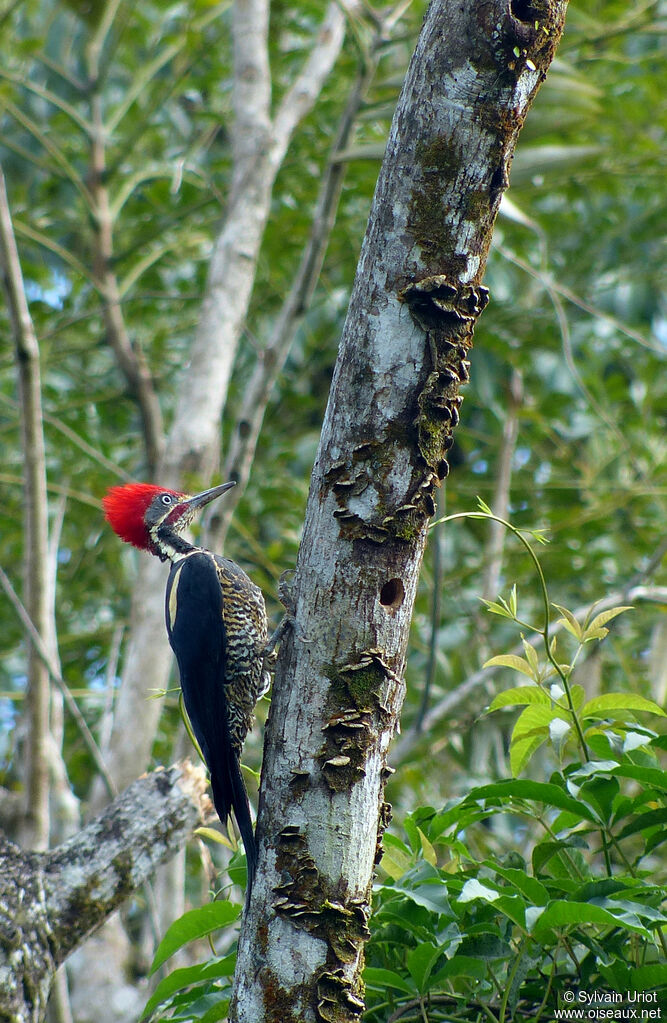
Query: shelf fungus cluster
[447,313]
[357,693]
[343,925]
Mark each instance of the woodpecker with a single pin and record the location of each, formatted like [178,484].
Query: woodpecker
[217,628]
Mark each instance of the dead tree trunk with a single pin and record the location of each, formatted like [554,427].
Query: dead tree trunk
[393,405]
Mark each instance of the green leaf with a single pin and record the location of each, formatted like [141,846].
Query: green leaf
[601,793]
[651,776]
[644,822]
[531,657]
[395,863]
[529,886]
[511,661]
[561,914]
[562,849]
[648,978]
[380,980]
[474,889]
[534,791]
[213,835]
[420,962]
[599,706]
[428,851]
[534,719]
[216,1012]
[522,750]
[459,966]
[485,945]
[633,910]
[596,626]
[186,977]
[197,923]
[570,622]
[577,695]
[397,858]
[430,895]
[654,840]
[520,696]
[498,609]
[514,908]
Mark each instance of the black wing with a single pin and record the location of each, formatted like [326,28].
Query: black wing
[196,632]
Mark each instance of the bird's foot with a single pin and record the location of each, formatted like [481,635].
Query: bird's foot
[270,651]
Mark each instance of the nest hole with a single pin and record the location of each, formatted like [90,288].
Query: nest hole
[392,594]
[524,10]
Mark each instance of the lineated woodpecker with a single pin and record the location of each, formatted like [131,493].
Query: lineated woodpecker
[217,627]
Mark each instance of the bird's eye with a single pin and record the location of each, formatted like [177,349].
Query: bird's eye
[166,499]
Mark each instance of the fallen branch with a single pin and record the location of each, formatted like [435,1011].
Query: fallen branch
[52,901]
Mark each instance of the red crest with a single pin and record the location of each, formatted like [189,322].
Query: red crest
[125,508]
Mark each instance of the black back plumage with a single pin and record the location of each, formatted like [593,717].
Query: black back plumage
[217,628]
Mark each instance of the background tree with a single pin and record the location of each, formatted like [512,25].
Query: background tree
[574,276]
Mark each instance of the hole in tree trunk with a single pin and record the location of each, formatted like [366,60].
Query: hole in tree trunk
[392,594]
[525,11]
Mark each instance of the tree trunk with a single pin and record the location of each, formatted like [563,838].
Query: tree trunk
[394,401]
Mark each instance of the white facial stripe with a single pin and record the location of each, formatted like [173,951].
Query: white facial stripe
[173,596]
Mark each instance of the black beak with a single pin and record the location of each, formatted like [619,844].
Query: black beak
[199,500]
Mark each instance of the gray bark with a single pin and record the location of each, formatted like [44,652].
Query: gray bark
[52,901]
[393,404]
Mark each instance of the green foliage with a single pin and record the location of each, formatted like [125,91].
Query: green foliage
[464,927]
[461,928]
[194,992]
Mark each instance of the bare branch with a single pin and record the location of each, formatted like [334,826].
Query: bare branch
[36,526]
[271,360]
[258,149]
[299,98]
[131,359]
[44,655]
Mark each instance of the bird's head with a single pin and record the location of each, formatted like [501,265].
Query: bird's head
[151,517]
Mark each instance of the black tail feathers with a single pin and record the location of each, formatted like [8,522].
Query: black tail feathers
[229,792]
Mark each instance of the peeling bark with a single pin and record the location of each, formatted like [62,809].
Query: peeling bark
[50,902]
[393,405]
